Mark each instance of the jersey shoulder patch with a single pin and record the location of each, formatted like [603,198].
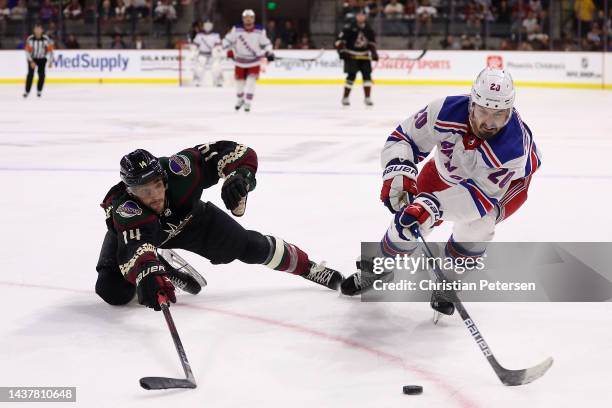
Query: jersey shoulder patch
[184,171]
[128,213]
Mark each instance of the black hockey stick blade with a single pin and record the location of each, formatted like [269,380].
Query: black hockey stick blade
[507,377]
[163,383]
[520,377]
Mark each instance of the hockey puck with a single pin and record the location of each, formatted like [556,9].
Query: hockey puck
[412,389]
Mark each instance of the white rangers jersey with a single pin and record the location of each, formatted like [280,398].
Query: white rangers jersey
[478,173]
[206,42]
[249,46]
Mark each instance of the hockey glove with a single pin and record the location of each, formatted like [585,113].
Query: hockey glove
[399,184]
[230,54]
[270,56]
[374,54]
[151,281]
[423,213]
[236,187]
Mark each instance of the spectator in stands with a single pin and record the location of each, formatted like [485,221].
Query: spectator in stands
[503,12]
[139,43]
[593,38]
[371,9]
[394,10]
[410,9]
[473,13]
[305,43]
[72,43]
[350,9]
[525,46]
[106,10]
[530,23]
[425,13]
[47,12]
[289,36]
[535,6]
[450,43]
[73,11]
[585,12]
[271,33]
[118,43]
[19,11]
[51,31]
[121,10]
[165,11]
[506,45]
[467,43]
[5,11]
[138,8]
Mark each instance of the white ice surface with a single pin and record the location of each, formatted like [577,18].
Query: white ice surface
[257,337]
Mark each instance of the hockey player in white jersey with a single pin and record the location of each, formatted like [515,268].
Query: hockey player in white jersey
[247,44]
[209,55]
[478,176]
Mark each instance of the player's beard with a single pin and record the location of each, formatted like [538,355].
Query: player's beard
[481,131]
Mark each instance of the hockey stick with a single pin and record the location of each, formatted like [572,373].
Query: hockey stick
[507,377]
[319,55]
[161,383]
[419,57]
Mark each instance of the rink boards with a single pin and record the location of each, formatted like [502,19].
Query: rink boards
[542,69]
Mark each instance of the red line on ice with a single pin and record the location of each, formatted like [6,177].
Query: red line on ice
[452,393]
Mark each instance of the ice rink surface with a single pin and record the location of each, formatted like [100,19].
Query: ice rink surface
[257,337]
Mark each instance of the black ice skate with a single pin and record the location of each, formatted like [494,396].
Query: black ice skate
[181,274]
[321,274]
[239,104]
[441,306]
[363,279]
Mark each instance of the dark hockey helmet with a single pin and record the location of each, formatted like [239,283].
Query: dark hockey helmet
[141,167]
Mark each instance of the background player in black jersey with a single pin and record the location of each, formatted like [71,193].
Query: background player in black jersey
[356,45]
[39,49]
[157,205]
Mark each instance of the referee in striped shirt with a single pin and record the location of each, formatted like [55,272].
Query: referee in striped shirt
[38,47]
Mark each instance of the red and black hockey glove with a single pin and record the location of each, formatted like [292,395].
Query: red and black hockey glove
[151,281]
[230,54]
[399,184]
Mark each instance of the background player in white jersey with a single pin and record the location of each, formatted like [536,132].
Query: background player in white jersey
[247,44]
[478,176]
[209,55]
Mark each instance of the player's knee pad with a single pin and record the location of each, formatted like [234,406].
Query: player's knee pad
[367,77]
[114,290]
[351,78]
[257,248]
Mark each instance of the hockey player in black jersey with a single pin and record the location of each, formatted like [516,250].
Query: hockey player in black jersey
[356,45]
[157,206]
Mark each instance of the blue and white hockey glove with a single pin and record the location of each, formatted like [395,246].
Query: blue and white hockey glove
[422,214]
